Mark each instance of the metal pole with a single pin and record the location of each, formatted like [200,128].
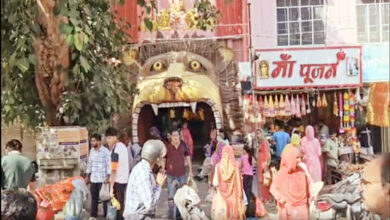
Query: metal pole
[253,127]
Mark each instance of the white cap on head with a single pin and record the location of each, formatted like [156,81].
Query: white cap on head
[152,150]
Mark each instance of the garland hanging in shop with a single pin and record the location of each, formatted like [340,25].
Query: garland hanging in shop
[352,110]
[319,104]
[298,106]
[287,106]
[324,101]
[341,112]
[293,107]
[335,106]
[271,107]
[282,106]
[303,105]
[346,111]
[308,105]
[276,105]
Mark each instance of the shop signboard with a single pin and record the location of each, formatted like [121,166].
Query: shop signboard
[320,67]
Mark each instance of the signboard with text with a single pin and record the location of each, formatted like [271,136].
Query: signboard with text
[330,67]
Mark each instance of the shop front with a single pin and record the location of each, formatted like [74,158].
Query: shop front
[305,86]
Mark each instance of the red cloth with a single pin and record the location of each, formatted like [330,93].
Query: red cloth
[188,139]
[291,188]
[263,156]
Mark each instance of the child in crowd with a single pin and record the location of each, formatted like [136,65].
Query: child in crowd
[247,169]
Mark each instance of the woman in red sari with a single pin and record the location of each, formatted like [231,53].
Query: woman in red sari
[264,158]
[291,188]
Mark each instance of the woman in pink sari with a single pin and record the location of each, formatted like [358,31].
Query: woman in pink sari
[311,152]
[291,188]
[263,157]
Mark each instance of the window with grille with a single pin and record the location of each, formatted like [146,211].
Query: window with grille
[300,22]
[372,21]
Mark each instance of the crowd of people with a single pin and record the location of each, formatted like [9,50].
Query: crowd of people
[135,175]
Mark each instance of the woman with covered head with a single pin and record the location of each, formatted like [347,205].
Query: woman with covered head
[228,200]
[311,152]
[290,187]
[264,159]
[295,142]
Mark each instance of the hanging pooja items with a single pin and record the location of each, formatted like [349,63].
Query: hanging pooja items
[246,107]
[293,106]
[172,113]
[346,110]
[276,105]
[261,105]
[313,103]
[266,111]
[282,106]
[341,130]
[201,114]
[308,104]
[324,101]
[319,104]
[287,106]
[298,106]
[186,114]
[352,109]
[272,111]
[303,105]
[335,107]
[252,109]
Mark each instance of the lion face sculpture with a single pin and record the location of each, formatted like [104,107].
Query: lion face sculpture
[193,74]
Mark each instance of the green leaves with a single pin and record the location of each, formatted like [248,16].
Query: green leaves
[80,39]
[22,64]
[84,64]
[148,24]
[141,3]
[65,28]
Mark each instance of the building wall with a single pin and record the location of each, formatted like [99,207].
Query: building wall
[340,23]
[263,24]
[233,24]
[340,30]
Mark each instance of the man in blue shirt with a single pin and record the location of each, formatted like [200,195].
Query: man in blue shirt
[281,139]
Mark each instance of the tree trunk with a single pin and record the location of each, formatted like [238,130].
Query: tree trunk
[53,61]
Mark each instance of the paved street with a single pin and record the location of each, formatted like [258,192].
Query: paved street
[162,207]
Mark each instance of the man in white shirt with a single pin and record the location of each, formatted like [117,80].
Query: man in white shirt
[144,190]
[125,139]
[98,171]
[119,167]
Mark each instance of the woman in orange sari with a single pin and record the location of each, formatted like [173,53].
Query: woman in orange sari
[264,158]
[228,200]
[291,188]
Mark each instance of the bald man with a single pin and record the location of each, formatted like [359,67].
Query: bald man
[376,186]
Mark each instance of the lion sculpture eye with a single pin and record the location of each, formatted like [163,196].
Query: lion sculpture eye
[196,66]
[158,66]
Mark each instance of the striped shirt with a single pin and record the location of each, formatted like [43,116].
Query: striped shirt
[99,164]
